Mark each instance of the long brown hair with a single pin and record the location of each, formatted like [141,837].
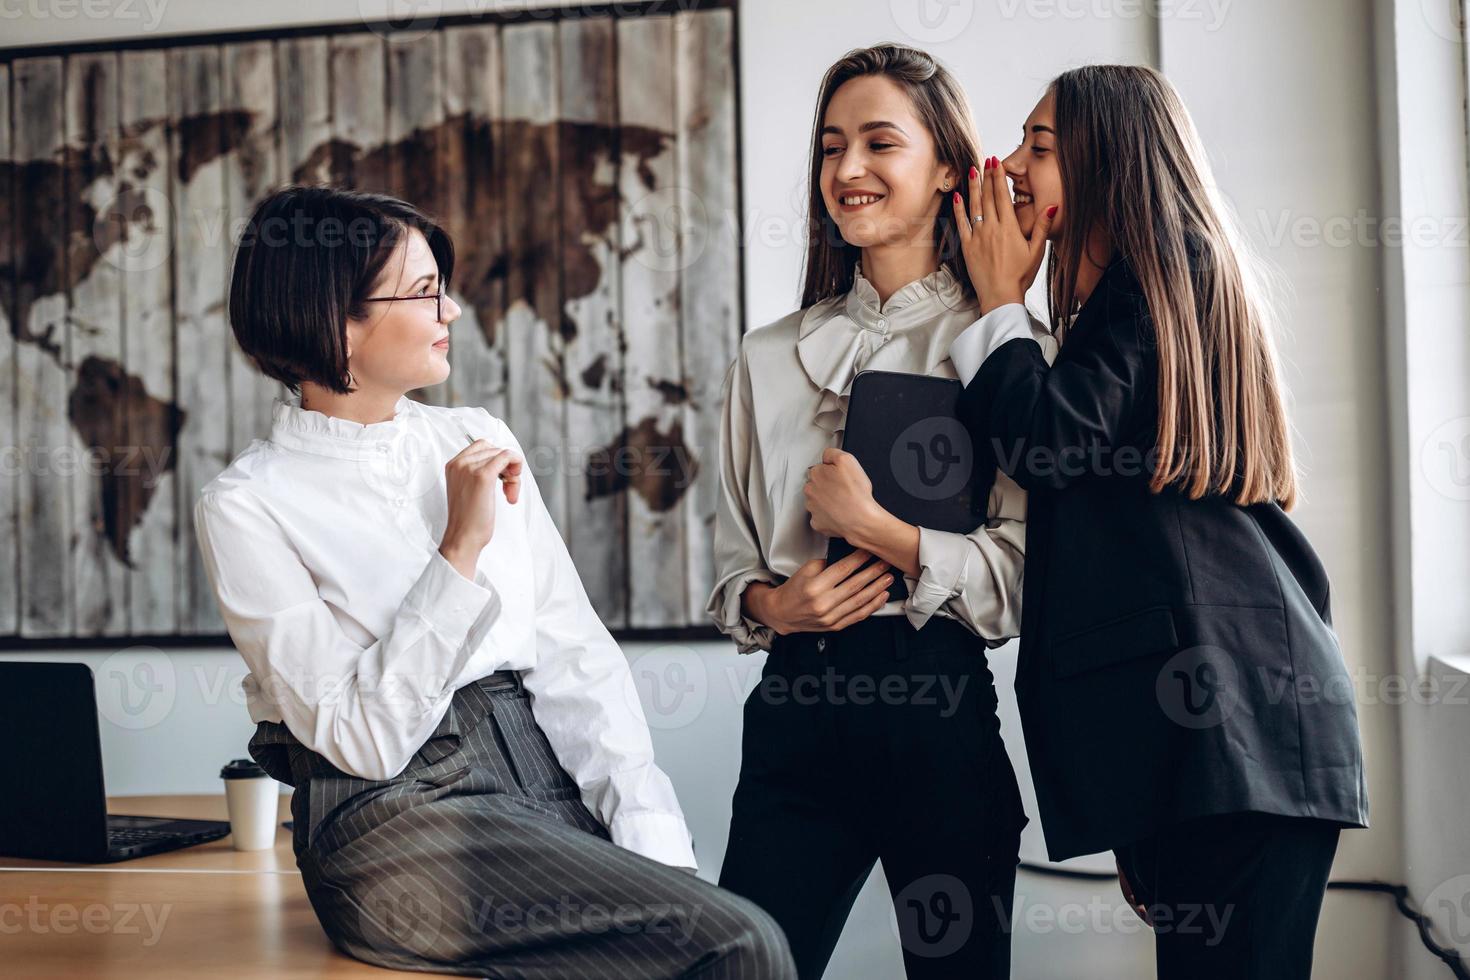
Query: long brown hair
[941,105]
[1132,163]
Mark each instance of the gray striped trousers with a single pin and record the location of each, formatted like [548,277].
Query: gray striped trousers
[480,859]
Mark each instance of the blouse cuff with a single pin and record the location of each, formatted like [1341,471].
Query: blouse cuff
[662,837]
[724,607]
[983,337]
[460,611]
[943,561]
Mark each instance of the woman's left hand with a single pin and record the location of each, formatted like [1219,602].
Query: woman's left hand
[839,494]
[1001,261]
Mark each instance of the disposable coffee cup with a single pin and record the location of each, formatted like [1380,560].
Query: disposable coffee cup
[251,799]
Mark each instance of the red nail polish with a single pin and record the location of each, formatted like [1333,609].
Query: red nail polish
[995,162]
[1051,212]
[957,197]
[974,173]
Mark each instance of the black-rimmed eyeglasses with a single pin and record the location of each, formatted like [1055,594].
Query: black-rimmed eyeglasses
[437,297]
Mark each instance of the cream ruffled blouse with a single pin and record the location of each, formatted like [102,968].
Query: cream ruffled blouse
[785,401]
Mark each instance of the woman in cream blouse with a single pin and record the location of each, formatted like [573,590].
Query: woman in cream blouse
[873,734]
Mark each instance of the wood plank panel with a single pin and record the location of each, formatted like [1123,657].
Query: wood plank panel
[42,428]
[653,432]
[359,113]
[475,215]
[586,167]
[198,133]
[589,154]
[94,352]
[152,422]
[303,95]
[534,347]
[415,117]
[710,261]
[248,86]
[10,476]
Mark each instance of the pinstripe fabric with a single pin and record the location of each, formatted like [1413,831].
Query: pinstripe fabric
[480,859]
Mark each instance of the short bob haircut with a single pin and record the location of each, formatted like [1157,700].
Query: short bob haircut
[305,262]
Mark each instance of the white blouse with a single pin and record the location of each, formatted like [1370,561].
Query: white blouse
[785,401]
[322,545]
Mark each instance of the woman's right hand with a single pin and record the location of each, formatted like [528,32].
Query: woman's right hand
[822,598]
[1001,260]
[469,485]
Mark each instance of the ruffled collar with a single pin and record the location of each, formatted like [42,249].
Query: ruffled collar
[311,431]
[837,337]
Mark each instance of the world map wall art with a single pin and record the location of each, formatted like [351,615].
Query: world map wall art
[586,164]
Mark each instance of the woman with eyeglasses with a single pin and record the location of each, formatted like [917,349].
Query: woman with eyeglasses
[475,787]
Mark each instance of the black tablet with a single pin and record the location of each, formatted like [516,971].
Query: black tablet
[905,431]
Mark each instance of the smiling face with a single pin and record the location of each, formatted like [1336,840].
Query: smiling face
[400,345]
[1036,177]
[880,177]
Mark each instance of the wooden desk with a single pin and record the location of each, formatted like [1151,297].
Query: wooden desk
[180,914]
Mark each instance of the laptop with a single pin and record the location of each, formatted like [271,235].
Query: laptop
[51,775]
[906,432]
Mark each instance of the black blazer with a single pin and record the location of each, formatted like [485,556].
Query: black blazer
[1177,657]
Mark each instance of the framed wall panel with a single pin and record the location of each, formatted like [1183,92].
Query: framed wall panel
[586,163]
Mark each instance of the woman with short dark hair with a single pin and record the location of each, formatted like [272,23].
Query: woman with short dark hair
[475,787]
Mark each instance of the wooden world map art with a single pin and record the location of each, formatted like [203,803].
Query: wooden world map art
[587,168]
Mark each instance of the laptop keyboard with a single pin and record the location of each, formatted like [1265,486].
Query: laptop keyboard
[128,836]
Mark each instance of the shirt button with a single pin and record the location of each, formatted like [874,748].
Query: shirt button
[821,644]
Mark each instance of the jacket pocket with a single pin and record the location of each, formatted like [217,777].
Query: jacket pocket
[1137,635]
[446,738]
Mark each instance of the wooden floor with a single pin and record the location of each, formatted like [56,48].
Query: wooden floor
[189,912]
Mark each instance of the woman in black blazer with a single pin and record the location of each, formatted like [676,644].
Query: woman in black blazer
[1184,699]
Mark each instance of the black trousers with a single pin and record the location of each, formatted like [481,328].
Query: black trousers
[879,743]
[1234,896]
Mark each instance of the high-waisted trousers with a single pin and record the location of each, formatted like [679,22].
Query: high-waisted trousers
[880,742]
[480,859]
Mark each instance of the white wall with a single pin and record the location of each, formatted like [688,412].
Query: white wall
[1302,131]
[1424,174]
